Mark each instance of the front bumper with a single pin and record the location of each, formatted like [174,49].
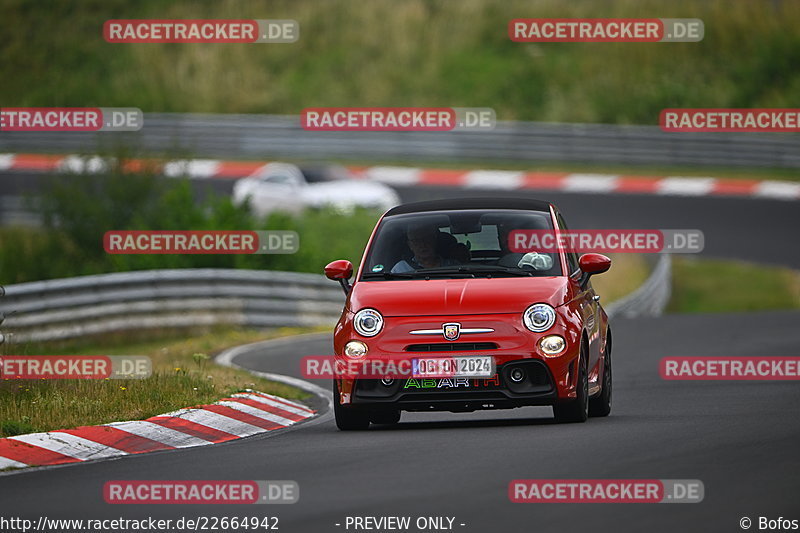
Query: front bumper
[461,394]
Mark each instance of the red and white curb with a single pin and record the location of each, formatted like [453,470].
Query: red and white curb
[584,183]
[412,176]
[241,415]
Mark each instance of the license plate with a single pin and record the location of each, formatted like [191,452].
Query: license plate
[472,366]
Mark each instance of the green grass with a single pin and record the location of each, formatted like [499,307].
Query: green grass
[715,286]
[627,273]
[411,52]
[183,376]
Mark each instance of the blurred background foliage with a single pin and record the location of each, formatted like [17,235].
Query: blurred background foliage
[78,209]
[404,53]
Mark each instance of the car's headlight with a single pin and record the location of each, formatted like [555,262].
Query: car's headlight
[552,345]
[368,322]
[355,350]
[539,317]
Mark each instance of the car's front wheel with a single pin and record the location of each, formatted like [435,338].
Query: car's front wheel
[576,410]
[601,405]
[348,418]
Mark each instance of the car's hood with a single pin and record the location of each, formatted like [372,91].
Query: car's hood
[458,296]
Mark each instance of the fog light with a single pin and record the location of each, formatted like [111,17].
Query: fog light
[517,375]
[387,381]
[552,345]
[355,350]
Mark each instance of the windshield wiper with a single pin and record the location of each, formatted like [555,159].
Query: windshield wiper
[496,269]
[474,269]
[389,275]
[421,273]
[462,270]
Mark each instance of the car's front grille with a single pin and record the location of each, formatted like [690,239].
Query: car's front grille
[452,347]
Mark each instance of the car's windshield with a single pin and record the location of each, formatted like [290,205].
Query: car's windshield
[277,179]
[457,244]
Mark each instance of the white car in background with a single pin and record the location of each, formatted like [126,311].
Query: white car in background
[283,187]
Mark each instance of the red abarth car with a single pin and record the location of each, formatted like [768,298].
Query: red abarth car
[439,282]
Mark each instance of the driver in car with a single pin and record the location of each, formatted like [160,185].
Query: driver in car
[422,241]
[532,259]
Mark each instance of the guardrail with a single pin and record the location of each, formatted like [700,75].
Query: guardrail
[651,298]
[178,298]
[184,298]
[281,136]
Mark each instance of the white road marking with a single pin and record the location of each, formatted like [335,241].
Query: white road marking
[394,175]
[158,433]
[10,463]
[255,411]
[679,186]
[70,445]
[6,161]
[300,411]
[194,168]
[590,183]
[217,421]
[83,165]
[279,403]
[493,179]
[782,190]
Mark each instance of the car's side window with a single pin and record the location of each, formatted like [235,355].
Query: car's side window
[572,257]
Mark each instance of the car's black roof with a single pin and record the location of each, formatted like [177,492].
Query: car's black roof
[447,204]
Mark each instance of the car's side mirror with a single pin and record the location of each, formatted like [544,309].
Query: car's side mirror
[341,271]
[591,264]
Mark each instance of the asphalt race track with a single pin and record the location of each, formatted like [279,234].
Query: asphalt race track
[739,438]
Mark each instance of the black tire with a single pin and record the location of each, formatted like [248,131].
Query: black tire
[601,404]
[390,416]
[348,418]
[577,410]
